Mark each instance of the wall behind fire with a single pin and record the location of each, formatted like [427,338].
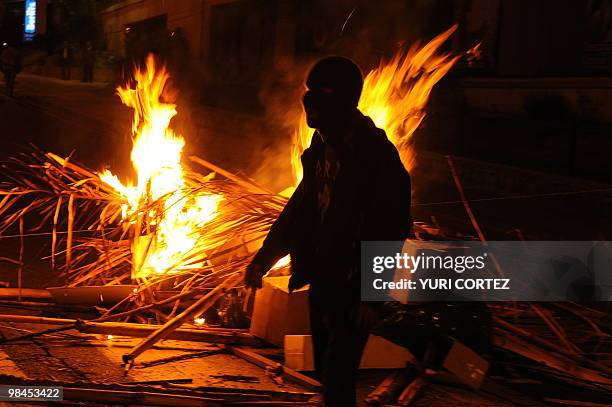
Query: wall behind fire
[186,14]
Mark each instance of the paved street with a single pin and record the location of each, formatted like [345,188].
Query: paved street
[73,357]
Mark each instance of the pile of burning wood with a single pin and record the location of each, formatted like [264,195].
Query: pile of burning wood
[177,228]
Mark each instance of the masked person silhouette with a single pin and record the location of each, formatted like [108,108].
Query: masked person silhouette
[354,189]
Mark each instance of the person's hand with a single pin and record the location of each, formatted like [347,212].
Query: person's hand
[253,275]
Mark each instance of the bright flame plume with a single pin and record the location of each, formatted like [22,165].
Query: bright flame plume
[394,95]
[171,233]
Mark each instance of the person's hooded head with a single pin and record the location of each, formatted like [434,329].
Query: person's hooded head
[333,89]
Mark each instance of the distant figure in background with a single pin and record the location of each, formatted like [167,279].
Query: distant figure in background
[89,60]
[65,60]
[10,63]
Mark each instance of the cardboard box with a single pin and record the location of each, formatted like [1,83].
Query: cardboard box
[283,320]
[379,354]
[299,354]
[277,313]
[467,366]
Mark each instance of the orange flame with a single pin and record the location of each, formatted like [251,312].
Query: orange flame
[156,157]
[394,95]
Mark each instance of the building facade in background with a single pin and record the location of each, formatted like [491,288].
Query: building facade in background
[570,37]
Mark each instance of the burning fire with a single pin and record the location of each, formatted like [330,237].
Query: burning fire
[156,157]
[394,95]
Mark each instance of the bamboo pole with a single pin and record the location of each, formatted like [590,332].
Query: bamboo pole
[388,389]
[225,336]
[264,362]
[468,209]
[39,333]
[21,254]
[125,397]
[25,292]
[70,225]
[243,183]
[54,233]
[555,361]
[177,358]
[551,346]
[66,163]
[466,204]
[411,392]
[198,307]
[556,328]
[26,304]
[575,403]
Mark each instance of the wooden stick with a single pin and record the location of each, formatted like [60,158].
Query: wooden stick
[198,307]
[177,358]
[555,361]
[70,225]
[108,316]
[466,204]
[575,403]
[550,346]
[109,311]
[124,397]
[9,260]
[21,253]
[25,292]
[262,361]
[40,333]
[557,330]
[226,336]
[185,380]
[387,389]
[277,395]
[468,209]
[26,304]
[243,183]
[54,233]
[66,163]
[411,391]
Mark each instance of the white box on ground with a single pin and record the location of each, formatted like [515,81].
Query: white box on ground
[283,319]
[468,366]
[299,354]
[379,354]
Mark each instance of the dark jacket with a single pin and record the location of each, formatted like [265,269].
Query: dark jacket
[370,200]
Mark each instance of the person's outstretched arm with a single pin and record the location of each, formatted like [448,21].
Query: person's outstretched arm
[276,243]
